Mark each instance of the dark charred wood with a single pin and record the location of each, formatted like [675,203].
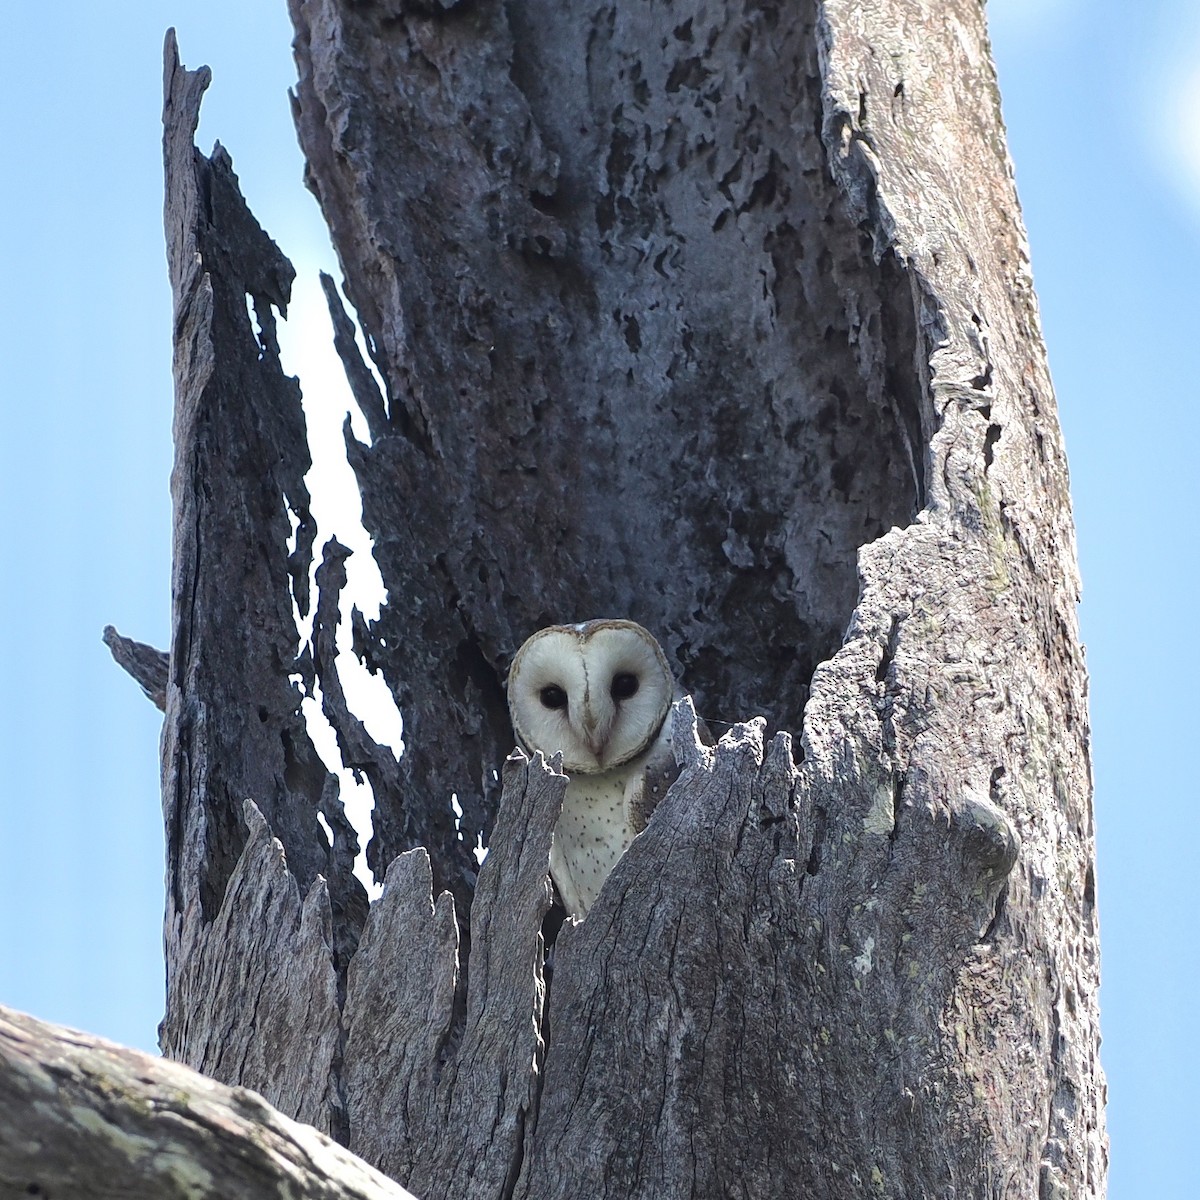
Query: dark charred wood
[234,731]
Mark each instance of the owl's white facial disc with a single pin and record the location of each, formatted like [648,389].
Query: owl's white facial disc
[599,692]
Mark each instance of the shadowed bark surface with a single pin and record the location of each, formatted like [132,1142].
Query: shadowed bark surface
[717,318]
[629,323]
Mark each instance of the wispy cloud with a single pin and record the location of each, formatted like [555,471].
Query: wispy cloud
[1165,99]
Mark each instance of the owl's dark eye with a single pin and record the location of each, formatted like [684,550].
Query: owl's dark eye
[623,686]
[553,696]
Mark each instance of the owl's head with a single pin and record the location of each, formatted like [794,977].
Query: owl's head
[599,692]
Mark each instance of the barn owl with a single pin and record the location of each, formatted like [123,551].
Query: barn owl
[600,693]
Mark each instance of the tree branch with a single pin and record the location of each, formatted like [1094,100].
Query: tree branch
[84,1118]
[146,664]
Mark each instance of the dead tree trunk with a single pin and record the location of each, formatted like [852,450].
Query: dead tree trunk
[717,317]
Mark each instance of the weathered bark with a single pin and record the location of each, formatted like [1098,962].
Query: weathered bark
[84,1119]
[420,1076]
[250,964]
[717,318]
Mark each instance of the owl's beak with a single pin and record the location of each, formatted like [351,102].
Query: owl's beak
[596,734]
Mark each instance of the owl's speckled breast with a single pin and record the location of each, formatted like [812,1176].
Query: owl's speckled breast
[592,833]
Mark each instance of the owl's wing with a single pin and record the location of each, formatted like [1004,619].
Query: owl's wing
[646,788]
[648,785]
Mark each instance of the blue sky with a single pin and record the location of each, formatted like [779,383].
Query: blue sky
[1103,110]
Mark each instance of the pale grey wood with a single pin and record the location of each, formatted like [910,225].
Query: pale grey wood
[86,1119]
[985,594]
[493,1079]
[255,992]
[425,1050]
[399,1018]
